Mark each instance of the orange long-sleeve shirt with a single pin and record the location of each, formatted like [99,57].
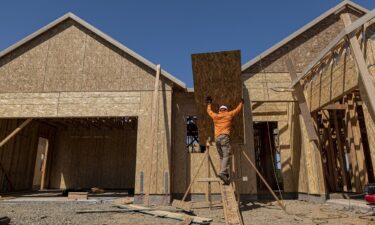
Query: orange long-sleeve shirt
[223,120]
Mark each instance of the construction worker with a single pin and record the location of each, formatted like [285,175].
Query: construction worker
[223,122]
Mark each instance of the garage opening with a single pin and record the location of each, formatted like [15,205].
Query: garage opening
[69,153]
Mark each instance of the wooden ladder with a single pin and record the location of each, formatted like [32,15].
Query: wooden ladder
[232,213]
[231,209]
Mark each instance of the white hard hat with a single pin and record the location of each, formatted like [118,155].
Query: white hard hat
[223,107]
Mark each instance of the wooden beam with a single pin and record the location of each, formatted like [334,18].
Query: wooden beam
[348,133]
[311,132]
[355,140]
[305,112]
[18,129]
[341,153]
[153,154]
[42,183]
[335,106]
[281,204]
[365,83]
[331,159]
[208,188]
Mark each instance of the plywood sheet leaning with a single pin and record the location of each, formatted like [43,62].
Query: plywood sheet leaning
[217,74]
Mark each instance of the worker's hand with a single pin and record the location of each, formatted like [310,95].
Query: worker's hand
[208,100]
[242,101]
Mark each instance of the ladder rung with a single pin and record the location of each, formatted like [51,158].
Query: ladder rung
[209,179]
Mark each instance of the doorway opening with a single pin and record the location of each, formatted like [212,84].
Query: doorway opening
[267,155]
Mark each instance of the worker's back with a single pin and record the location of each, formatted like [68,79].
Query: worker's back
[223,119]
[223,122]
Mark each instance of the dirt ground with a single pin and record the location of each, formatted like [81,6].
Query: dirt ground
[253,213]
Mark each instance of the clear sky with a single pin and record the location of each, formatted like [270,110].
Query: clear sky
[169,31]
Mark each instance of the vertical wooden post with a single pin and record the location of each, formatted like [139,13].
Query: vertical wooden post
[42,183]
[235,175]
[330,150]
[153,154]
[311,132]
[208,190]
[341,153]
[359,149]
[356,183]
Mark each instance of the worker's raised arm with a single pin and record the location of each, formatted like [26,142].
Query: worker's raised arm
[210,112]
[235,111]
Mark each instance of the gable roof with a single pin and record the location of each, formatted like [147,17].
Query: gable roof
[345,32]
[338,7]
[100,34]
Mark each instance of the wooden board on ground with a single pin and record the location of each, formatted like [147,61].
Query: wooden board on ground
[232,212]
[184,205]
[217,74]
[77,195]
[166,214]
[124,201]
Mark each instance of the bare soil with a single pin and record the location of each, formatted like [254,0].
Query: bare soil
[253,213]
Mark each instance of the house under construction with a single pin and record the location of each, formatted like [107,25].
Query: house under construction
[81,102]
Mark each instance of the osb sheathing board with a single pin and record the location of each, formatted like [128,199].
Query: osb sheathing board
[70,72]
[259,86]
[70,104]
[270,111]
[332,81]
[70,58]
[185,164]
[285,114]
[159,184]
[370,122]
[94,157]
[18,155]
[218,75]
[309,180]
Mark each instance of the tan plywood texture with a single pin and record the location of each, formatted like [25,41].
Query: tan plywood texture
[217,75]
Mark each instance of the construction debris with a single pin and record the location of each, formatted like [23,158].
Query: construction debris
[124,201]
[78,195]
[97,190]
[166,214]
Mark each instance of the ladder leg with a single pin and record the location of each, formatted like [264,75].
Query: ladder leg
[195,175]
[208,190]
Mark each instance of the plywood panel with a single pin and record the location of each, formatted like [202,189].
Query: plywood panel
[217,75]
[259,85]
[69,58]
[333,81]
[86,158]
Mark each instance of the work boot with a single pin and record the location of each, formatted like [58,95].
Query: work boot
[224,178]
